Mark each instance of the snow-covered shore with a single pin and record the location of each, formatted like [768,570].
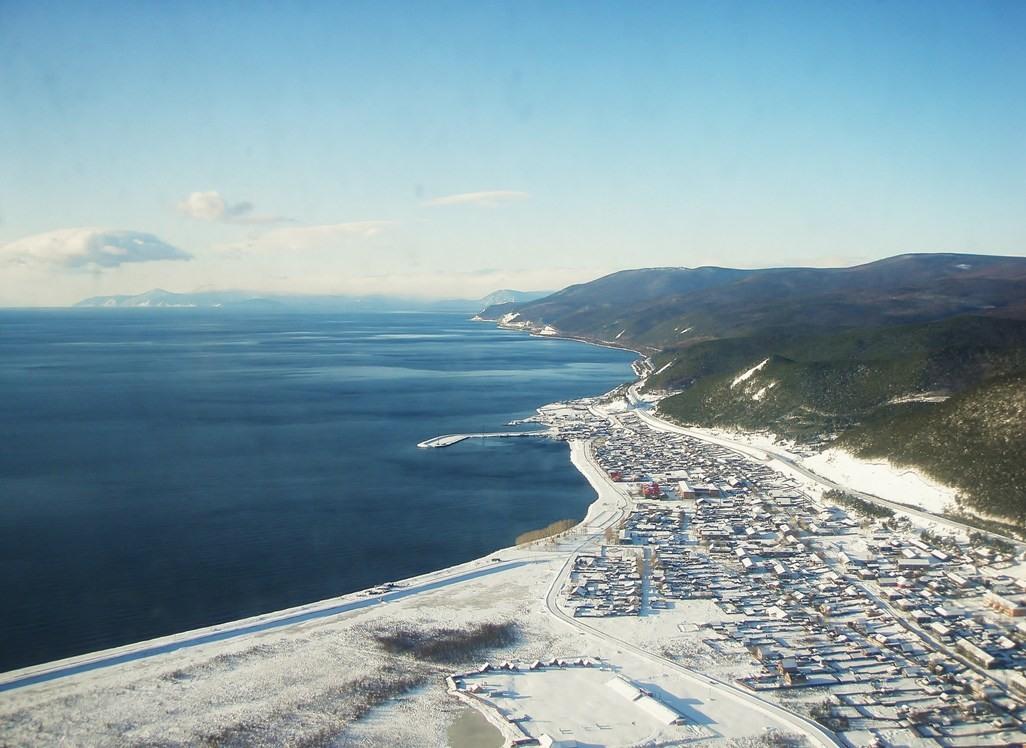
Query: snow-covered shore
[327,680]
[288,675]
[317,680]
[276,684]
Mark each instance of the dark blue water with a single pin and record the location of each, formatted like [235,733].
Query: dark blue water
[162,470]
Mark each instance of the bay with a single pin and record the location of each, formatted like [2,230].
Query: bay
[168,469]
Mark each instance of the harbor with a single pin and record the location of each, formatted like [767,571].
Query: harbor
[447,440]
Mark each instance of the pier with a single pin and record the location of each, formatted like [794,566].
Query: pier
[449,439]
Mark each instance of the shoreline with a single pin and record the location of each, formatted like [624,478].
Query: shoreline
[235,679]
[564,336]
[49,671]
[798,465]
[595,515]
[534,569]
[87,662]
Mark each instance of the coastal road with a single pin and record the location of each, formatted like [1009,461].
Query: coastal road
[769,455]
[699,681]
[336,606]
[107,658]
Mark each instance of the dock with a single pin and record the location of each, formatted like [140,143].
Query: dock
[448,440]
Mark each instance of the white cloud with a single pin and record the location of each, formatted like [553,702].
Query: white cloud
[299,238]
[212,206]
[204,206]
[483,199]
[90,247]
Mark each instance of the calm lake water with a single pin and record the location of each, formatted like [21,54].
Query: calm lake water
[163,470]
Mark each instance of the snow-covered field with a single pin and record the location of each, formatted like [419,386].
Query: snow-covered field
[597,715]
[307,684]
[881,478]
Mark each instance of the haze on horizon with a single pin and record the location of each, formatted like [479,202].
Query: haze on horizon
[452,149]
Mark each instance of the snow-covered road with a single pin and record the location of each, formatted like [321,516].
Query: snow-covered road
[700,682]
[106,658]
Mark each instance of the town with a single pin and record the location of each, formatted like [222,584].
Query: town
[884,632]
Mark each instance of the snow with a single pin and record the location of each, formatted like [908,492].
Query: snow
[901,485]
[623,687]
[919,397]
[287,684]
[659,710]
[567,702]
[300,683]
[304,681]
[883,479]
[743,377]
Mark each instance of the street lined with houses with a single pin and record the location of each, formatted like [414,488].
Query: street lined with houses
[881,631]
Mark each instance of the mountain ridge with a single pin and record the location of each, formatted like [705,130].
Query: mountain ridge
[160,298]
[706,299]
[885,359]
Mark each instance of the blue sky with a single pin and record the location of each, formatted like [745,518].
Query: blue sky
[318,147]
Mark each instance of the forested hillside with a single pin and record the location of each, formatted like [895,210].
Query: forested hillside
[918,358]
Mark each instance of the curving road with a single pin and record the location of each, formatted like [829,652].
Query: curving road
[810,728]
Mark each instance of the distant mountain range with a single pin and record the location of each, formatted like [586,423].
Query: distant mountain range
[917,358]
[653,307]
[159,298]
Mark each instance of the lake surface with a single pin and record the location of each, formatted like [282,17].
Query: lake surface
[163,470]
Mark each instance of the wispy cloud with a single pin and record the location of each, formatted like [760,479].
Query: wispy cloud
[90,247]
[212,206]
[481,199]
[299,238]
